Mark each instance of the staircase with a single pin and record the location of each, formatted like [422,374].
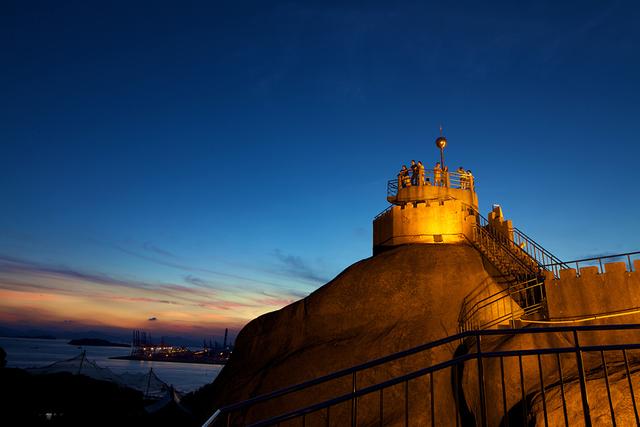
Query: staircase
[521,263]
[503,255]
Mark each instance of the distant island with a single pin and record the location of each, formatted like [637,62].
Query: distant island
[97,342]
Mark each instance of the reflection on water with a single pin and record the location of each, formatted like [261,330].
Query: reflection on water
[30,352]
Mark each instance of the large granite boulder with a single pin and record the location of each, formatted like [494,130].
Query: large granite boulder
[391,302]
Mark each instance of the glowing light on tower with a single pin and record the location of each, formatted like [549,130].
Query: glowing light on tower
[441,142]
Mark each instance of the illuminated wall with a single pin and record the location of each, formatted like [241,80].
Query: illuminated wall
[436,221]
[613,294]
[426,214]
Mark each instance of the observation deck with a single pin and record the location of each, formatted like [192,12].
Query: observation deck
[435,184]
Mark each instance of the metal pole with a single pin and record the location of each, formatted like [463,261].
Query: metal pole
[442,158]
[483,408]
[583,382]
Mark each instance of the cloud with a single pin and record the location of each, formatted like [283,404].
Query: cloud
[295,266]
[188,268]
[152,319]
[18,266]
[51,293]
[18,275]
[197,281]
[58,279]
[150,247]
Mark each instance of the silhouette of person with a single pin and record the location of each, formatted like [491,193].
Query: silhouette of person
[470,179]
[437,174]
[414,173]
[403,177]
[462,175]
[420,173]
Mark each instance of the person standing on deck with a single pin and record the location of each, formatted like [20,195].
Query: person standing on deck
[462,176]
[420,173]
[437,175]
[403,177]
[414,173]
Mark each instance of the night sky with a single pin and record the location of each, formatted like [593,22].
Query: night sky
[206,162]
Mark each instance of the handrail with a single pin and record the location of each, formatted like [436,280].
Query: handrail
[505,249]
[450,179]
[539,254]
[528,297]
[387,209]
[520,237]
[337,374]
[460,337]
[599,260]
[444,365]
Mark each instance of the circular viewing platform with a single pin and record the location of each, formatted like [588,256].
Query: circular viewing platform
[434,184]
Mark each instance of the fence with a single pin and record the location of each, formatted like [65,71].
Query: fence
[458,180]
[507,305]
[599,262]
[503,387]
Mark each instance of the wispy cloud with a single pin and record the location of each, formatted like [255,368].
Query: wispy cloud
[150,247]
[188,268]
[27,285]
[296,266]
[197,281]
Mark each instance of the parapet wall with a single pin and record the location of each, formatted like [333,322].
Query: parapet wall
[592,293]
[497,222]
[431,192]
[435,221]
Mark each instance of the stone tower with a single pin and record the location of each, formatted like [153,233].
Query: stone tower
[437,206]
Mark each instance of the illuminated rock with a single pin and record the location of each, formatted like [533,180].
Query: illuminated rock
[394,301]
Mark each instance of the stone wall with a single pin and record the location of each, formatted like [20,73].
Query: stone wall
[594,294]
[436,221]
[497,222]
[431,192]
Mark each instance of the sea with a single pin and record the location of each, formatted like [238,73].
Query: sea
[36,353]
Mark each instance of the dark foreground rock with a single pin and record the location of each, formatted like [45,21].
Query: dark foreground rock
[63,399]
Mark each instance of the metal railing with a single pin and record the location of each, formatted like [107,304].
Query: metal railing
[349,376]
[520,244]
[599,262]
[502,253]
[507,305]
[457,180]
[542,256]
[387,209]
[501,387]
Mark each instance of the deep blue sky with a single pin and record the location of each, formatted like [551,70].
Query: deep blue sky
[243,147]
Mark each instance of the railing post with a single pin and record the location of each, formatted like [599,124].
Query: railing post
[583,382]
[513,320]
[354,406]
[483,408]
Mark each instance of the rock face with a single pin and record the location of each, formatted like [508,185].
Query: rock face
[394,301]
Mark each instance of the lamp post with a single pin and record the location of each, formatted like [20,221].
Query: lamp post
[441,142]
